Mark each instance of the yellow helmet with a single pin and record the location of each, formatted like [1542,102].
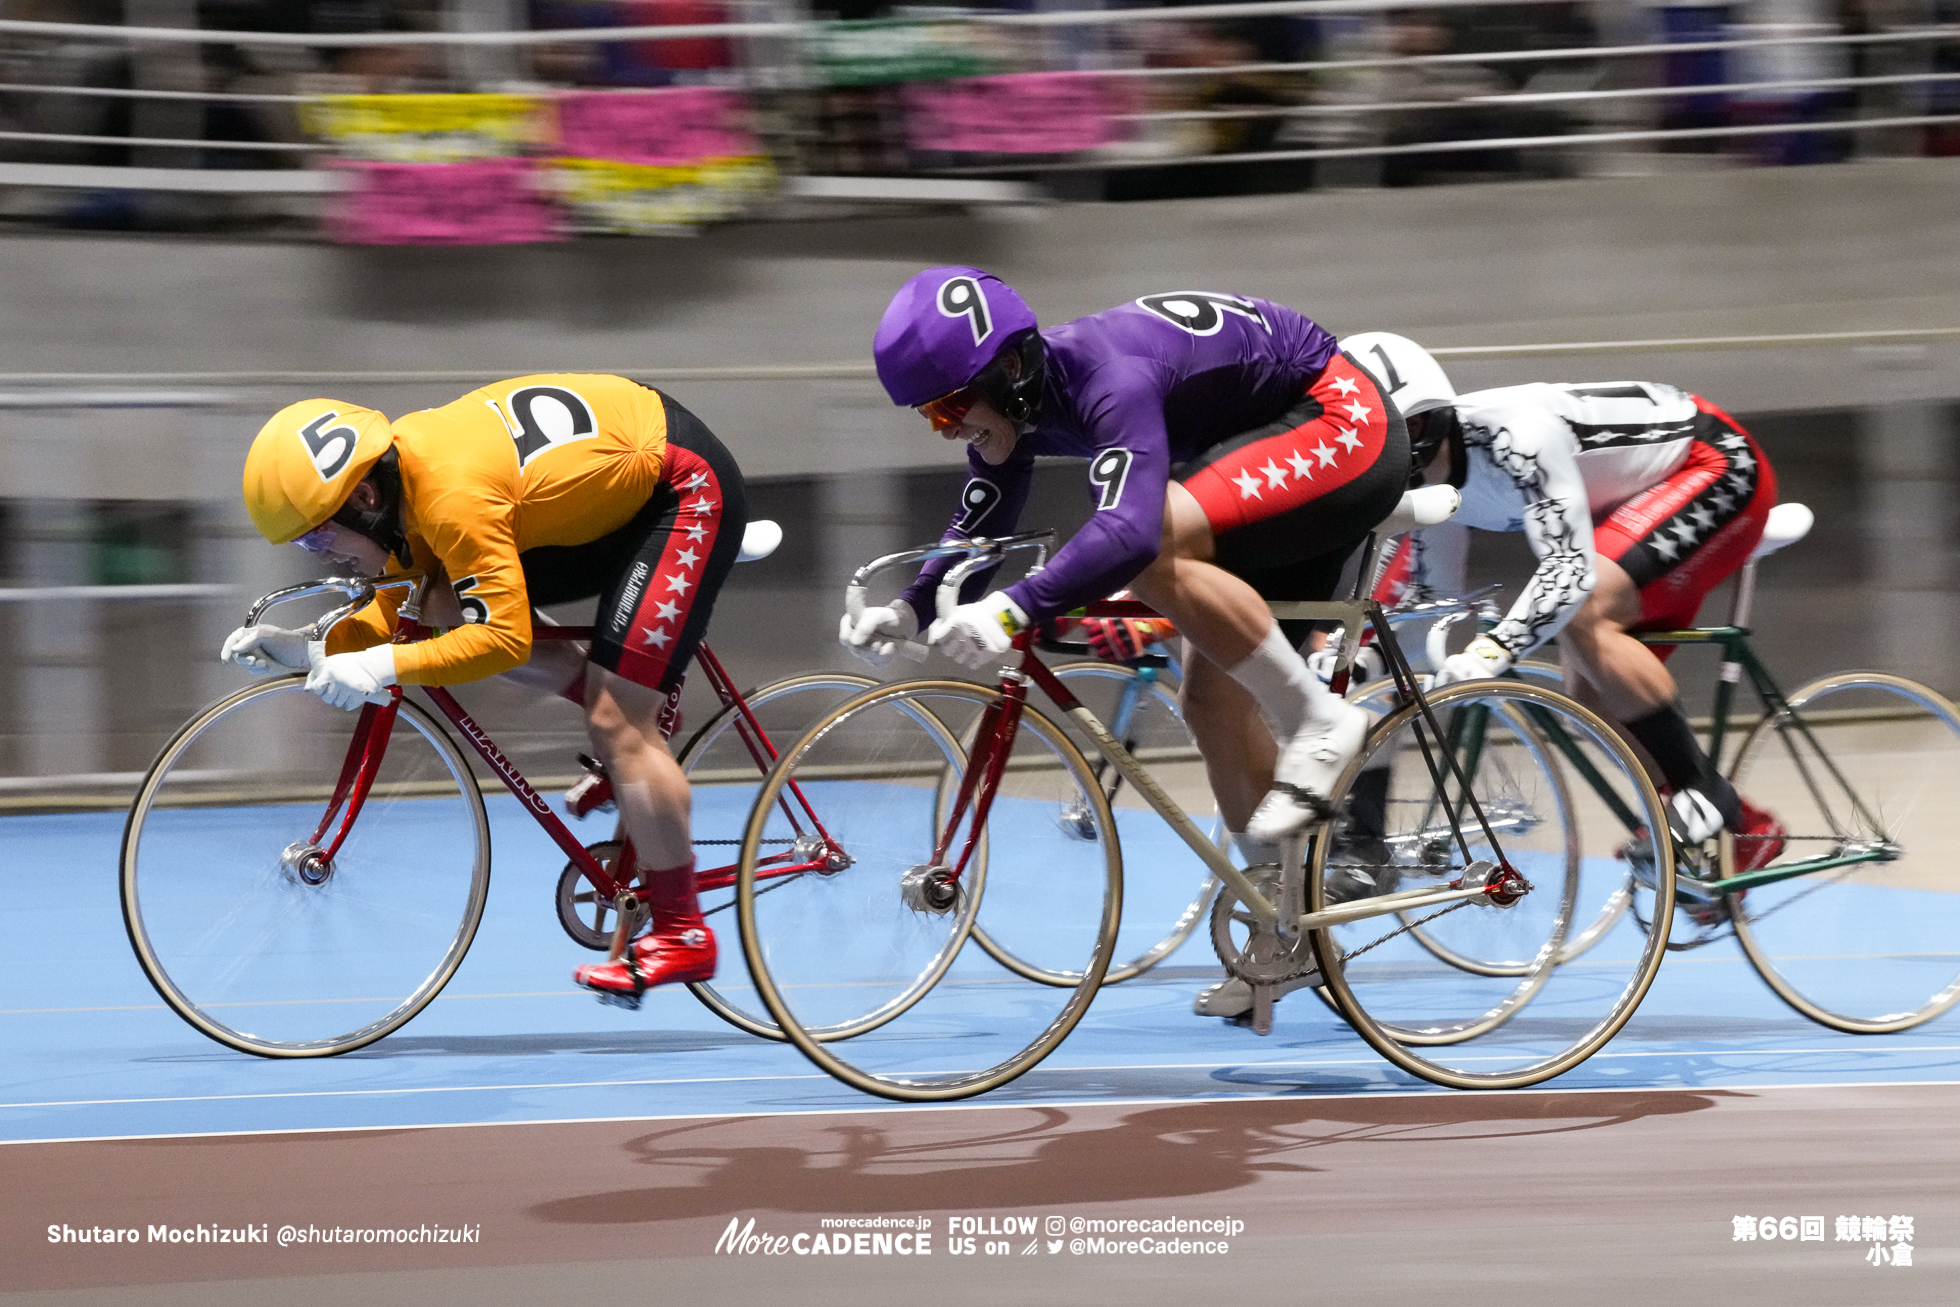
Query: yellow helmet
[306,461]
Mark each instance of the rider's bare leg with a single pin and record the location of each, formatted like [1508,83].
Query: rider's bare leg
[623,721]
[1610,670]
[1244,666]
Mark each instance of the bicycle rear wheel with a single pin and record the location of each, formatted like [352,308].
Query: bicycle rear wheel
[1528,753]
[265,949]
[726,762]
[1167,889]
[871,942]
[1862,773]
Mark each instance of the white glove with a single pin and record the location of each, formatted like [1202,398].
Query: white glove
[264,650]
[977,634]
[348,680]
[1368,664]
[1485,657]
[876,633]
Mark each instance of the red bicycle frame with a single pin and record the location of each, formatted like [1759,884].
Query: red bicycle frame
[369,746]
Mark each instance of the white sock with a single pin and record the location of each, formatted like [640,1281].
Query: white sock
[1287,693]
[1255,851]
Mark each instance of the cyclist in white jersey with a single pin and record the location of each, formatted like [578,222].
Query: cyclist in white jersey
[1638,499]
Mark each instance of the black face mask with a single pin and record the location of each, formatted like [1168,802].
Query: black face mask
[383,523]
[1440,426]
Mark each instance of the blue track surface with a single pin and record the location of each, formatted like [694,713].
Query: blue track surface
[92,1052]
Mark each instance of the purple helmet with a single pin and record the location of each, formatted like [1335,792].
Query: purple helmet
[942,328]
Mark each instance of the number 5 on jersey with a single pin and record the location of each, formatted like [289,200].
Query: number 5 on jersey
[539,417]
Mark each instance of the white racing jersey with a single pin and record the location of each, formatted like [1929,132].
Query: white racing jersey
[1550,459]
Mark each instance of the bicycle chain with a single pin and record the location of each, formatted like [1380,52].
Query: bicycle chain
[1440,912]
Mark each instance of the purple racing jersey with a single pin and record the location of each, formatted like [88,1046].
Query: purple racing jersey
[1135,390]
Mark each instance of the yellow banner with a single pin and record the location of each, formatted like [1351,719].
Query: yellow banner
[633,199]
[426,128]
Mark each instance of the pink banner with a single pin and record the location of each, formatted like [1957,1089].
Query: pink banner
[481,202]
[1015,113]
[665,129]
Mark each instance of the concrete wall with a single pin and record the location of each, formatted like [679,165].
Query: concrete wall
[1857,246]
[1865,433]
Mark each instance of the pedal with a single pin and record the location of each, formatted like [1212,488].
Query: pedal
[1262,1010]
[592,792]
[631,1002]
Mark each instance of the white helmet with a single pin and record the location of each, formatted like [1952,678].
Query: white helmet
[1404,370]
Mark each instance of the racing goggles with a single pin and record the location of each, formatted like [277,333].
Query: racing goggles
[319,540]
[948,411]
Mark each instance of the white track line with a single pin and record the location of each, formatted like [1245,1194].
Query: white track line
[774,1079]
[1024,1106]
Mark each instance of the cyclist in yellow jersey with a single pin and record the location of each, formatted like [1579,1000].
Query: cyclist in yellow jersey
[534,491]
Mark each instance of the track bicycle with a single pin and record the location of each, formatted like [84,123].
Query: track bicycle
[298,881]
[1854,920]
[945,795]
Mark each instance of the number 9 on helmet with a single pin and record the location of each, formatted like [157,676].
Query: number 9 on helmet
[945,330]
[306,461]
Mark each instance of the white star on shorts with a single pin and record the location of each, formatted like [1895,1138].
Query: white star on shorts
[687,558]
[668,609]
[1275,474]
[1359,411]
[678,583]
[1326,454]
[1347,385]
[1348,438]
[697,532]
[1247,483]
[657,638]
[1302,467]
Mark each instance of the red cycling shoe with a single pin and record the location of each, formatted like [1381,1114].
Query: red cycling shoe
[1760,841]
[668,956]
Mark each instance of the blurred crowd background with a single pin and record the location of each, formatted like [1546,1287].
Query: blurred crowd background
[1246,103]
[1604,171]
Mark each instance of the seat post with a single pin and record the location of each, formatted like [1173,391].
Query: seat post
[1745,594]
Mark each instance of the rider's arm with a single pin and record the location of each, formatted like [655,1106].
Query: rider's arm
[1534,449]
[1129,470]
[990,505]
[372,625]
[475,539]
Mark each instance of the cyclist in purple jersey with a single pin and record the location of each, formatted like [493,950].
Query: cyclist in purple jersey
[1234,456]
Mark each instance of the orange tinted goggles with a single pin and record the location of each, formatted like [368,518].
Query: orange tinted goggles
[949,411]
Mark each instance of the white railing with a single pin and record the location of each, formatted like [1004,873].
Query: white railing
[958,183]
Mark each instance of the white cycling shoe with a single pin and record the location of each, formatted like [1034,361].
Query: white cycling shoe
[1309,764]
[1232,998]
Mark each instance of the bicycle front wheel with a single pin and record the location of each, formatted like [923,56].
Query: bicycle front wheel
[726,762]
[1560,796]
[1167,889]
[1861,771]
[869,941]
[270,950]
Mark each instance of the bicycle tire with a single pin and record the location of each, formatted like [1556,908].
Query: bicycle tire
[1615,905]
[725,776]
[1414,1009]
[875,767]
[1156,706]
[1868,947]
[221,928]
[1519,802]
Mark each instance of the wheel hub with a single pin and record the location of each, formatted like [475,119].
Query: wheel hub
[1502,885]
[1077,822]
[306,864]
[827,858]
[930,887]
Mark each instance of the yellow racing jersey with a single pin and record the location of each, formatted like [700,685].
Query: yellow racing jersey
[552,459]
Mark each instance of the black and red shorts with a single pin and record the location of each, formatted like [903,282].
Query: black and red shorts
[1288,502]
[1681,538]
[657,576]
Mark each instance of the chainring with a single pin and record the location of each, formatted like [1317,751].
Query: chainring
[1263,959]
